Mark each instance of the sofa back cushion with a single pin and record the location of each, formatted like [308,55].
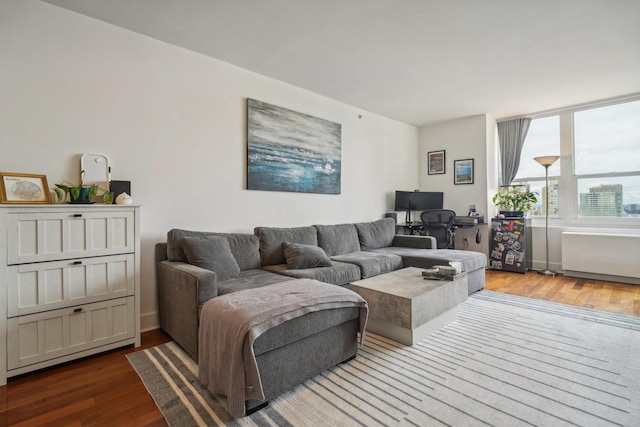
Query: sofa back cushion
[244,247]
[272,240]
[338,239]
[376,234]
[212,253]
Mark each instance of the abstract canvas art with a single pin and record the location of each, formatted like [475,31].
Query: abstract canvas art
[291,151]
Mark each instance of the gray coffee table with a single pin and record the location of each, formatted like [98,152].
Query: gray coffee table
[406,307]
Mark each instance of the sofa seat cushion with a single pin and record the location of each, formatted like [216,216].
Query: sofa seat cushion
[244,247]
[211,253]
[339,273]
[338,239]
[300,256]
[427,258]
[272,239]
[371,263]
[376,234]
[302,327]
[250,279]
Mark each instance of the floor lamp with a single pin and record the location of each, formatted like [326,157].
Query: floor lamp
[546,161]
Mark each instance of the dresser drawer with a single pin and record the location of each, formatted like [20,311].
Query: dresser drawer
[32,288]
[45,336]
[48,236]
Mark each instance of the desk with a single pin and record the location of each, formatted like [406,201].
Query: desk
[465,239]
[411,228]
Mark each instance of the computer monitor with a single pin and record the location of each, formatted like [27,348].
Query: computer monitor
[426,200]
[408,201]
[403,201]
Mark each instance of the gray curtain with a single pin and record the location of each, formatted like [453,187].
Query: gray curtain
[511,134]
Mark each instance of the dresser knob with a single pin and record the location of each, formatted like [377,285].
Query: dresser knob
[77,215]
[77,310]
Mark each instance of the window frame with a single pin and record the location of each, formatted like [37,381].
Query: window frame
[568,197]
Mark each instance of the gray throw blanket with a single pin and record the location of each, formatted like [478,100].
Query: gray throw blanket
[229,324]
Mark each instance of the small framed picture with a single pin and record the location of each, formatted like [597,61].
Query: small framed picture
[463,171]
[24,188]
[436,162]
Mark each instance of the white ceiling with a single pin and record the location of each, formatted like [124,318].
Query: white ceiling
[417,61]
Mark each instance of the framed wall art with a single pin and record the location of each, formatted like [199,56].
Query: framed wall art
[291,151]
[24,188]
[436,162]
[463,171]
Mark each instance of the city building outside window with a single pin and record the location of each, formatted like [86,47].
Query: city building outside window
[607,160]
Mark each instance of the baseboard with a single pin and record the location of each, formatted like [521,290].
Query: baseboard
[605,277]
[149,321]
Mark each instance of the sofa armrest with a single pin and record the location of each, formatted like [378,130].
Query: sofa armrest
[182,288]
[201,283]
[417,242]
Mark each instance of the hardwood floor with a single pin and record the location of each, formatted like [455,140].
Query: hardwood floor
[101,390]
[104,390]
[607,296]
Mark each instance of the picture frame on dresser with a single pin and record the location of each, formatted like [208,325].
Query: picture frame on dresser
[24,188]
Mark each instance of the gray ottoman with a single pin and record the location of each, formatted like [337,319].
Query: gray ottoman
[301,348]
[256,344]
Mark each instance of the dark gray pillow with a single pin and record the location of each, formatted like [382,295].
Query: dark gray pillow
[212,253]
[300,256]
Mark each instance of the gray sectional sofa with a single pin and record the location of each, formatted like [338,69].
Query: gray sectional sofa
[194,266]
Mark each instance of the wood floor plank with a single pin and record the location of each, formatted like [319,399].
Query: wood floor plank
[105,390]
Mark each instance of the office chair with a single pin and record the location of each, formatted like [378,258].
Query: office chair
[439,224]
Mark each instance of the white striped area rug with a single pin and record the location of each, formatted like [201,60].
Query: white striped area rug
[505,361]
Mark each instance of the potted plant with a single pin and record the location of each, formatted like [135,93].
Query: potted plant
[514,201]
[81,194]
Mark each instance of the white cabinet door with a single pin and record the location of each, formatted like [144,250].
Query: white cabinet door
[57,284]
[48,236]
[45,336]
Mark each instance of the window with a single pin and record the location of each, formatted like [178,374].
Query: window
[607,160]
[598,175]
[543,139]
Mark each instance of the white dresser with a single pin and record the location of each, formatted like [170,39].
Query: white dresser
[69,283]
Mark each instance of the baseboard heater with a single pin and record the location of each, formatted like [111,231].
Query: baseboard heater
[602,256]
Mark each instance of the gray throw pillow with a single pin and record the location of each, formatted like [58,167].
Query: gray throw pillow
[212,253]
[300,256]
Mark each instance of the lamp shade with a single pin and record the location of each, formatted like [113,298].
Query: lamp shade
[546,160]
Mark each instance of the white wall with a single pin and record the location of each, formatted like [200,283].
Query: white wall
[466,138]
[173,122]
